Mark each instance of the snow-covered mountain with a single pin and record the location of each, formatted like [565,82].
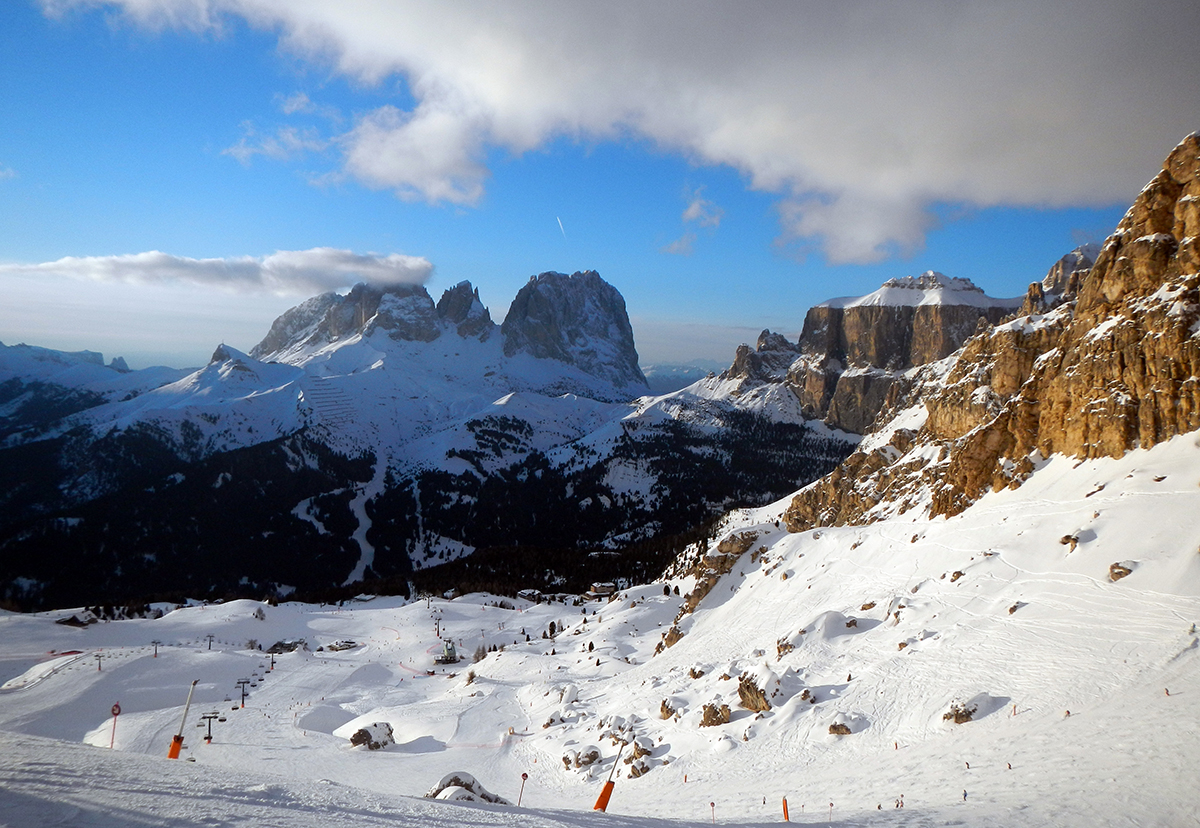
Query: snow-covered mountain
[1111,368]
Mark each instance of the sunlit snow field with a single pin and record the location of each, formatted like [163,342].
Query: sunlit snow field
[1030,630]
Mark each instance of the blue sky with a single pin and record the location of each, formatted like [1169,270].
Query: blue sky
[724,169]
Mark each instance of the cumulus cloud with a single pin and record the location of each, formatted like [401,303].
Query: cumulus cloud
[301,272]
[430,154]
[835,107]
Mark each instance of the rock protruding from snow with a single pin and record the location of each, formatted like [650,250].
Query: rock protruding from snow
[462,787]
[579,320]
[375,736]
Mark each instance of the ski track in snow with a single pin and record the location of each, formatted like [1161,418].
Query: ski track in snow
[358,507]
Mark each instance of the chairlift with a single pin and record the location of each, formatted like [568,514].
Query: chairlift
[221,719]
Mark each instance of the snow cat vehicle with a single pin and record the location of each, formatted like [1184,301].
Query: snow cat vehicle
[449,655]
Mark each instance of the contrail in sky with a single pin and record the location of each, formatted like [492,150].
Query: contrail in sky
[560,227]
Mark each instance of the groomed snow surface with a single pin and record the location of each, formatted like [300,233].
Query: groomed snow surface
[1030,630]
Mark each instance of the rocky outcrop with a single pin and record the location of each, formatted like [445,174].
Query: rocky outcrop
[1111,369]
[460,306]
[1062,282]
[768,362]
[578,319]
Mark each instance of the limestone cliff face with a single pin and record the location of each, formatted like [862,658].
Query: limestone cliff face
[1113,368]
[855,351]
[907,322]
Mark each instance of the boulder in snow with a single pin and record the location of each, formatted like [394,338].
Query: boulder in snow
[375,736]
[462,787]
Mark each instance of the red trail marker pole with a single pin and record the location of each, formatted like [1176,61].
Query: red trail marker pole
[524,776]
[785,813]
[116,711]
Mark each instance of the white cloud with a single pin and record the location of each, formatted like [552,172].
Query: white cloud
[299,103]
[431,153]
[682,246]
[7,172]
[287,143]
[838,108]
[702,211]
[301,272]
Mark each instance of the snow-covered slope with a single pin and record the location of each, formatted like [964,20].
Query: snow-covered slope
[38,386]
[1085,690]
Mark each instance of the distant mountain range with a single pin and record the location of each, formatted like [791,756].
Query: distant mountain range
[370,434]
[376,433]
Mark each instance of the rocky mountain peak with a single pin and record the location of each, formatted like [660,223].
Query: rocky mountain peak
[855,349]
[580,320]
[405,312]
[460,306]
[1062,281]
[768,361]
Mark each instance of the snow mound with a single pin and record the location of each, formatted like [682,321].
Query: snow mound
[462,787]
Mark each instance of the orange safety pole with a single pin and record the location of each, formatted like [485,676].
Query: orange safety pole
[785,813]
[177,739]
[606,794]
